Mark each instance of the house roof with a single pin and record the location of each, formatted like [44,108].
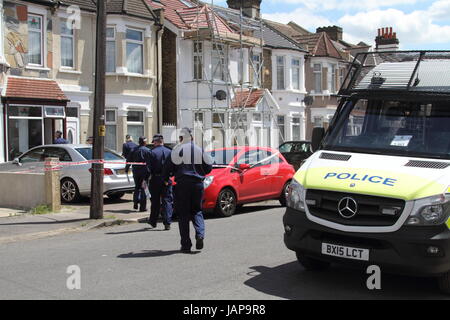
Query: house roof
[203,17]
[170,8]
[247,98]
[271,37]
[24,88]
[136,8]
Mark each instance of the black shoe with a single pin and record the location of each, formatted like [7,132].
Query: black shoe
[153,225]
[167,227]
[143,210]
[185,250]
[199,244]
[135,206]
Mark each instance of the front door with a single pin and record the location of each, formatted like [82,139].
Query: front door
[72,133]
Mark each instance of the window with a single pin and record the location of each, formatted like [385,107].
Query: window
[135,123]
[108,156]
[333,78]
[35,40]
[318,122]
[36,155]
[67,45]
[218,119]
[111,129]
[317,78]
[296,128]
[135,48]
[296,74]
[110,49]
[281,128]
[198,60]
[218,62]
[341,76]
[54,112]
[199,117]
[256,59]
[257,117]
[280,73]
[59,153]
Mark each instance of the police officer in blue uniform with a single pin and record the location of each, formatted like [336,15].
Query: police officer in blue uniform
[189,164]
[161,193]
[141,172]
[128,146]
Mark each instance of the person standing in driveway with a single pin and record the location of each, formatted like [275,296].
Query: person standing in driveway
[59,139]
[141,172]
[189,164]
[162,198]
[128,146]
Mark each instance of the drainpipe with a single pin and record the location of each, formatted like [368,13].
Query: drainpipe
[159,23]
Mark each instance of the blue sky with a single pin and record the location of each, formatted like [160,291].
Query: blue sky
[420,24]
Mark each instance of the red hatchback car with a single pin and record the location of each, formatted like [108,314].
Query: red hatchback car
[243,175]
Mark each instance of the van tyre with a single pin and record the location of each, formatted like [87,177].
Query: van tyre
[226,203]
[444,283]
[312,264]
[69,191]
[284,192]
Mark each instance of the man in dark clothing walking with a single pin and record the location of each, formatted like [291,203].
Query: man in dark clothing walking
[161,193]
[128,146]
[189,164]
[141,172]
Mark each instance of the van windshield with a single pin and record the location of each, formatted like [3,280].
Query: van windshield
[403,128]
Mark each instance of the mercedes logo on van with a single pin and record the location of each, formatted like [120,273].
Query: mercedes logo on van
[347,207]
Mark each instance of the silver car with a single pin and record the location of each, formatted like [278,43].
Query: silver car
[75,178]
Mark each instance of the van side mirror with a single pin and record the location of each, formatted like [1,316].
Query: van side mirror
[317,136]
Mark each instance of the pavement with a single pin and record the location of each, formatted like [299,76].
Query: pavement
[244,258]
[17,225]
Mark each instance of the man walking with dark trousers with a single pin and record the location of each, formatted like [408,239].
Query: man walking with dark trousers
[128,146]
[189,164]
[141,172]
[161,193]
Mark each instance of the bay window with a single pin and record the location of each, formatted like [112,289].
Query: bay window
[317,71]
[111,129]
[198,60]
[218,62]
[296,74]
[280,73]
[110,49]
[135,123]
[135,50]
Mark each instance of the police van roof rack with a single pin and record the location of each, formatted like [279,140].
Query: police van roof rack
[421,71]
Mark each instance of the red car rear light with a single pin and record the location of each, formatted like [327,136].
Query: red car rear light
[106,171]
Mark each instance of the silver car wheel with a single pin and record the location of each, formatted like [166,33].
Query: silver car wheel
[68,190]
[227,202]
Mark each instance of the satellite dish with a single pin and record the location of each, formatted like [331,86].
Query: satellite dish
[308,100]
[220,95]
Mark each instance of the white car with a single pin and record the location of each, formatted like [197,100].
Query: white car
[76,178]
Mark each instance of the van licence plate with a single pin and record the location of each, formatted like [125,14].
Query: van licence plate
[345,252]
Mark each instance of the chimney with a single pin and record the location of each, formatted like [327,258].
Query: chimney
[334,32]
[250,8]
[386,40]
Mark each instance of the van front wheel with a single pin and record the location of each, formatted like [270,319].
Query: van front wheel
[444,283]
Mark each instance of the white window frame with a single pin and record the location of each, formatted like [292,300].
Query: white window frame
[113,39]
[138,42]
[218,124]
[256,69]
[72,36]
[215,54]
[298,68]
[341,76]
[277,67]
[199,55]
[42,33]
[320,74]
[333,86]
[111,123]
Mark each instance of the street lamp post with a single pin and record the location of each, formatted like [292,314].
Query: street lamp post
[96,209]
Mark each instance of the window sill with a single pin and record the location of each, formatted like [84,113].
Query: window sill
[131,75]
[71,71]
[37,68]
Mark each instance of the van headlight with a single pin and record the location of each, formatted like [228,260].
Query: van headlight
[296,196]
[207,182]
[430,211]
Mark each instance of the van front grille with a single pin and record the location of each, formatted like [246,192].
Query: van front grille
[371,210]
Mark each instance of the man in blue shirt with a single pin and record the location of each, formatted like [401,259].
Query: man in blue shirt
[189,164]
[141,172]
[162,198]
[128,146]
[59,139]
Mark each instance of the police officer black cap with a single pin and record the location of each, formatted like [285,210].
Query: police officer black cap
[157,136]
[142,140]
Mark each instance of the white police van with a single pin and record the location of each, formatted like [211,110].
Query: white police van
[377,189]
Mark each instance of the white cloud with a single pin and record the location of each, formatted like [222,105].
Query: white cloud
[347,4]
[415,28]
[440,10]
[303,17]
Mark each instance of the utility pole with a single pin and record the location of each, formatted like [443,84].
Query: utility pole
[96,210]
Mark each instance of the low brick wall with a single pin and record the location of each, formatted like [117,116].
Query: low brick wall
[24,190]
